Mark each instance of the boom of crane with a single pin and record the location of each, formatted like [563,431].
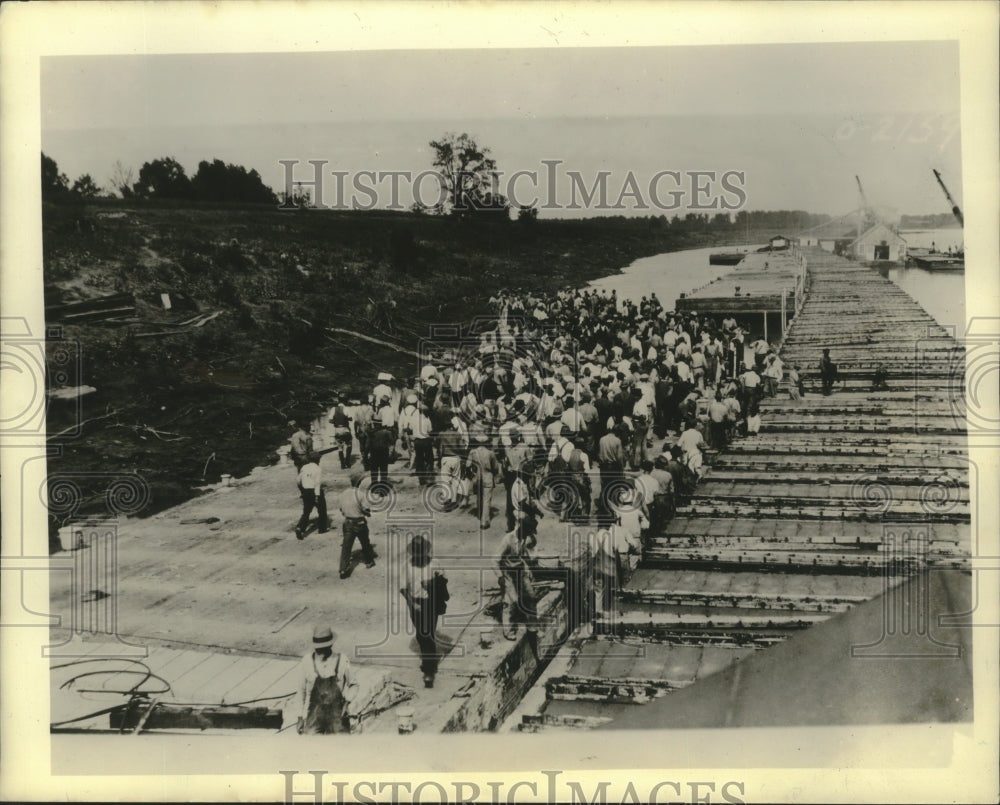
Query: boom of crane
[954,207]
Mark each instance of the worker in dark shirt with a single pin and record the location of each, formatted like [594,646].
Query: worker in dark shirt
[342,433]
[879,378]
[301,450]
[364,415]
[827,372]
[683,477]
[380,445]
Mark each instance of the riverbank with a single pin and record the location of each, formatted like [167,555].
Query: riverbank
[180,405]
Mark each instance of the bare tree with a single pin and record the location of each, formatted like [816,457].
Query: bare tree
[122,179]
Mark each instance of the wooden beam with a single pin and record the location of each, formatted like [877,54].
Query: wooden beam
[178,716]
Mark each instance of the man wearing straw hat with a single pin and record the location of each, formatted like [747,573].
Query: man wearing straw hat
[326,687]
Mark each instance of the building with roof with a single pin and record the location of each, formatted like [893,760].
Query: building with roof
[857,235]
[877,244]
[834,236]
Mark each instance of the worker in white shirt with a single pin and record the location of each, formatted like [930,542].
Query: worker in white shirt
[692,443]
[562,447]
[774,370]
[310,482]
[633,518]
[383,389]
[683,370]
[610,546]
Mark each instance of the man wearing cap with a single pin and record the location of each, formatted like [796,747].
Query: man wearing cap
[326,688]
[310,483]
[355,525]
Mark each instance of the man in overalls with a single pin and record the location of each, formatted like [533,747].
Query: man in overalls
[326,687]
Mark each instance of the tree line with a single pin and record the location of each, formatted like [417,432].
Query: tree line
[163,178]
[468,172]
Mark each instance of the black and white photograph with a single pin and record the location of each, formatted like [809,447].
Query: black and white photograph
[401,414]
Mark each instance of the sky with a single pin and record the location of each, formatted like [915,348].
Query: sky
[798,122]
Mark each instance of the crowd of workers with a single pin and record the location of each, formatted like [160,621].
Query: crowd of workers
[560,405]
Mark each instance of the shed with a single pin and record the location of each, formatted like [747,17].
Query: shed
[879,243]
[833,236]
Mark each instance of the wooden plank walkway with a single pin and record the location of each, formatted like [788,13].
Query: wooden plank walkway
[181,676]
[838,500]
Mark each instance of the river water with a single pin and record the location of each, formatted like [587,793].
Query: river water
[668,275]
[940,293]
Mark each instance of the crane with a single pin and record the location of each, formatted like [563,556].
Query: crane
[866,215]
[954,207]
[864,201]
